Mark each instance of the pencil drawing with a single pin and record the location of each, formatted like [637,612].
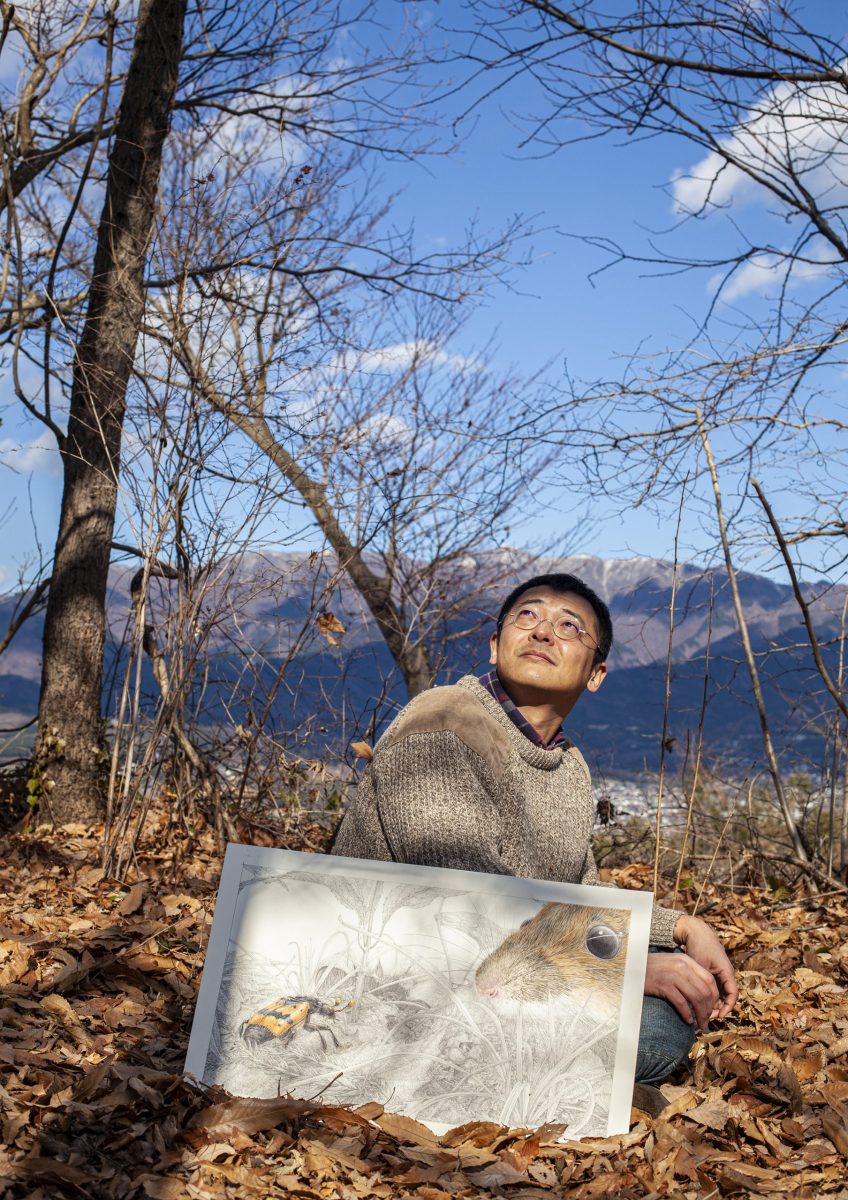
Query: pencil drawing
[418,997]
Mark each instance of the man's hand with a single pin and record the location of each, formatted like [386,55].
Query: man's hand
[700,983]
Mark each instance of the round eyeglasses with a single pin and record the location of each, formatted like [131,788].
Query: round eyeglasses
[565,627]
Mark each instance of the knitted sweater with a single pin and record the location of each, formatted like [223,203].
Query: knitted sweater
[454,783]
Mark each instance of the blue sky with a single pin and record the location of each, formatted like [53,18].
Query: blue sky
[552,313]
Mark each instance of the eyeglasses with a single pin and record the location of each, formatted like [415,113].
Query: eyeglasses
[565,627]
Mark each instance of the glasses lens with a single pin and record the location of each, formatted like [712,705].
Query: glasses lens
[566,628]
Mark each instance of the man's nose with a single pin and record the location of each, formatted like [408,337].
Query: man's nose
[545,629]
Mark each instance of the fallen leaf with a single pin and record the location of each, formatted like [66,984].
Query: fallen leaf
[250,1116]
[788,1080]
[479,1133]
[60,1007]
[370,1111]
[834,1094]
[122,1101]
[713,1114]
[404,1129]
[541,1173]
[51,1168]
[471,1157]
[808,979]
[332,1154]
[70,975]
[498,1174]
[132,901]
[837,1049]
[806,1065]
[163,1188]
[758,1049]
[14,962]
[521,1154]
[425,1174]
[837,1132]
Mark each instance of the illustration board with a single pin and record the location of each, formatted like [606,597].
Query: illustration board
[447,996]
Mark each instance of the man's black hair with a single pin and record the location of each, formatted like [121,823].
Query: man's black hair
[560,582]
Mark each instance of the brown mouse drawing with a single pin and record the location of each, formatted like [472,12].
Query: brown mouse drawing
[564,950]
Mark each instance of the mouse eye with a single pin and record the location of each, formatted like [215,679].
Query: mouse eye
[602,941]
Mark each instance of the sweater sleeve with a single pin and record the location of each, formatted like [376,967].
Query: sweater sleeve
[434,802]
[663,920]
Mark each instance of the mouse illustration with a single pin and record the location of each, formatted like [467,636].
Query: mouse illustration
[565,949]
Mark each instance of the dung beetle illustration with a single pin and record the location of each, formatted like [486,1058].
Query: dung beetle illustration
[283,1018]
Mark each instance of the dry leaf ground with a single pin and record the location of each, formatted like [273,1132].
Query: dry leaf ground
[97,985]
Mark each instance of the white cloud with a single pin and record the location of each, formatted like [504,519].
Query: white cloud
[402,355]
[797,127]
[711,182]
[40,457]
[757,275]
[762,273]
[384,429]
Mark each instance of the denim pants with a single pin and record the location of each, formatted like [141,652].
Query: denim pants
[665,1039]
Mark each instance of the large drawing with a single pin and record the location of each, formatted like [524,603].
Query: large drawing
[448,996]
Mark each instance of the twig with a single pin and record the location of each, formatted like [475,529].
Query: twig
[700,744]
[801,602]
[25,612]
[774,769]
[20,728]
[730,817]
[819,896]
[667,700]
[834,883]
[843,848]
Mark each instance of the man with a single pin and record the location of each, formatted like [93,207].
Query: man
[479,776]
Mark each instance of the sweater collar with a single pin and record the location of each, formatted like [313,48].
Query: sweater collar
[535,755]
[491,682]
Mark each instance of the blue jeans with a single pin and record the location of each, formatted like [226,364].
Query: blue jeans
[665,1039]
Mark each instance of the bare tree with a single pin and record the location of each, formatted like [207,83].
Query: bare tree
[393,443]
[331,347]
[237,214]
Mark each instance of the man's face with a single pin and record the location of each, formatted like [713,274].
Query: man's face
[535,661]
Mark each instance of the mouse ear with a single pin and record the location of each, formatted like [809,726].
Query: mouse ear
[602,941]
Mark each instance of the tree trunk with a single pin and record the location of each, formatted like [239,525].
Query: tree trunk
[70,724]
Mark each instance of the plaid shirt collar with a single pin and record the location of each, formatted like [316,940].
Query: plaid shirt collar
[494,687]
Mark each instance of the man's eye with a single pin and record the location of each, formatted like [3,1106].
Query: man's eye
[527,612]
[570,627]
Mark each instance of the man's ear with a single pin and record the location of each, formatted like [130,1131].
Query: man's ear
[493,649]
[597,677]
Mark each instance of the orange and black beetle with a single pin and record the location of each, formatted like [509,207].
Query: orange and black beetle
[284,1017]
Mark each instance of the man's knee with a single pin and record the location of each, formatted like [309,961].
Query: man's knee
[665,1040]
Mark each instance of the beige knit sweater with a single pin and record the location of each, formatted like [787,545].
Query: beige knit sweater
[454,783]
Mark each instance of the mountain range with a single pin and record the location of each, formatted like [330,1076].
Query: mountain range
[325,696]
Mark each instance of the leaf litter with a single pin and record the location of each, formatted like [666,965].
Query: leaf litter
[97,988]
